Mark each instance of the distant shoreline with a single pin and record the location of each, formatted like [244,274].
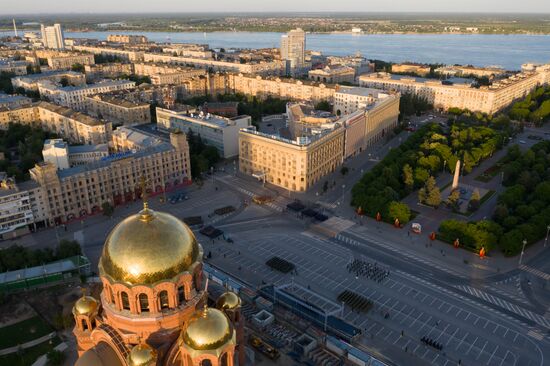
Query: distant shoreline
[114,31]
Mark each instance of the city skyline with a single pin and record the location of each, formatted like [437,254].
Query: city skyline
[248,6]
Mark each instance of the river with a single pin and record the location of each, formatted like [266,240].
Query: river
[508,51]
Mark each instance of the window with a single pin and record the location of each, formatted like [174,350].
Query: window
[125,301]
[143,303]
[206,363]
[163,298]
[84,324]
[181,295]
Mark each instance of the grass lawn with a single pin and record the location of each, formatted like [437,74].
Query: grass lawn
[30,355]
[491,172]
[24,331]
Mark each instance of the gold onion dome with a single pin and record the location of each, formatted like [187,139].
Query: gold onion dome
[207,329]
[148,247]
[86,305]
[142,355]
[228,300]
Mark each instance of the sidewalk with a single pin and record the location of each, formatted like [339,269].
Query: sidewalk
[26,345]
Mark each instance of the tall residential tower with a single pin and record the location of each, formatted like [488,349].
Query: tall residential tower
[293,48]
[52,37]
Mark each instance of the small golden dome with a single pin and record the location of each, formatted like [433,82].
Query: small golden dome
[86,305]
[148,247]
[142,355]
[207,329]
[228,300]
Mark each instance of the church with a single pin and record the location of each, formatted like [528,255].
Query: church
[153,308]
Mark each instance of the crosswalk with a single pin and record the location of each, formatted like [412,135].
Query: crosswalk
[234,182]
[399,251]
[536,272]
[539,319]
[536,333]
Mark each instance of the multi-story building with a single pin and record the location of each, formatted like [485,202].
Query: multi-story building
[13,101]
[444,95]
[52,37]
[220,132]
[359,63]
[457,70]
[333,74]
[109,70]
[82,190]
[62,60]
[75,96]
[15,208]
[122,54]
[126,38]
[349,99]
[293,48]
[15,67]
[292,164]
[417,69]
[118,109]
[189,50]
[132,139]
[152,69]
[74,126]
[63,156]
[30,82]
[281,88]
[174,78]
[258,68]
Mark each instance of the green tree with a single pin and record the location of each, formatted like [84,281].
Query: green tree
[400,211]
[78,68]
[323,106]
[64,81]
[408,178]
[430,193]
[473,204]
[452,200]
[344,170]
[107,208]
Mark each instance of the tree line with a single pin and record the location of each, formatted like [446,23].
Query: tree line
[18,257]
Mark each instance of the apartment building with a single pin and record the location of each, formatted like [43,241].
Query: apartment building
[64,60]
[444,95]
[333,74]
[15,67]
[359,63]
[8,101]
[293,48]
[75,96]
[276,67]
[52,37]
[126,38]
[217,131]
[108,70]
[132,139]
[118,109]
[126,55]
[15,208]
[417,69]
[262,87]
[79,191]
[295,165]
[349,99]
[189,50]
[74,126]
[63,156]
[457,70]
[30,82]
[150,69]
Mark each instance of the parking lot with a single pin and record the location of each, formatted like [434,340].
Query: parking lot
[468,331]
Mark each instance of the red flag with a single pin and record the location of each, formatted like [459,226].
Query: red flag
[482,253]
[456,243]
[432,236]
[378,216]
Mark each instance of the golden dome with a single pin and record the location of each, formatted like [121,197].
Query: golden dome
[142,355]
[228,300]
[148,247]
[207,329]
[86,305]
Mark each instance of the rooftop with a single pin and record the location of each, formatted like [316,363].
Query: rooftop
[80,149]
[69,113]
[110,99]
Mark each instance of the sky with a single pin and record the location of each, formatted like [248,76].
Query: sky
[29,7]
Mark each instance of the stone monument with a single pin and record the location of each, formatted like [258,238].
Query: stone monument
[457,174]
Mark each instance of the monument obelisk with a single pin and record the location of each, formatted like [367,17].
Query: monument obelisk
[457,174]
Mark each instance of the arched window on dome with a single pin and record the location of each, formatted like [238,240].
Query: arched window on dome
[111,295]
[224,360]
[143,303]
[206,363]
[84,324]
[163,300]
[124,300]
[181,295]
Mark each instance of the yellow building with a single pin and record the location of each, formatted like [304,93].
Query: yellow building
[74,126]
[118,110]
[292,164]
[82,190]
[418,69]
[333,74]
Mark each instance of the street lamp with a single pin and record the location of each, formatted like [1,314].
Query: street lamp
[547,231]
[522,251]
